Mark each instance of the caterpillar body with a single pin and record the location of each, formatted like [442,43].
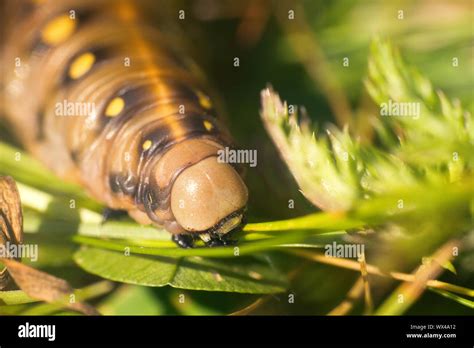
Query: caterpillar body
[106,101]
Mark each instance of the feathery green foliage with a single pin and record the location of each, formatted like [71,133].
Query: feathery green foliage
[415,176]
[334,171]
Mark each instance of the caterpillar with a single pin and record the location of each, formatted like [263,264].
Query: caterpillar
[107,101]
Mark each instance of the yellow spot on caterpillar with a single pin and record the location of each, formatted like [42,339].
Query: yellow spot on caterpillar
[147,144]
[204,100]
[255,275]
[58,30]
[81,65]
[115,107]
[208,125]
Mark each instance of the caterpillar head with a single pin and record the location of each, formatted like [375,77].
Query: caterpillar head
[209,196]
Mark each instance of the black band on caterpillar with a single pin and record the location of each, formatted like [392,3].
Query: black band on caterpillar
[148,139]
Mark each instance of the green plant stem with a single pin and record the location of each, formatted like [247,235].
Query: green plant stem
[229,251]
[84,294]
[374,270]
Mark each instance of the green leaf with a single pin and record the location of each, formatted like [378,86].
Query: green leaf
[243,275]
[454,297]
[49,204]
[17,163]
[14,297]
[130,300]
[448,265]
[317,221]
[324,173]
[261,243]
[89,292]
[441,134]
[192,307]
